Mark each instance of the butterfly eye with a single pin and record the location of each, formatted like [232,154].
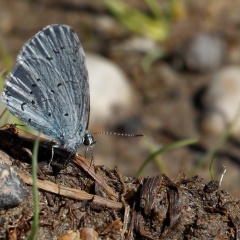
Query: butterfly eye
[88,140]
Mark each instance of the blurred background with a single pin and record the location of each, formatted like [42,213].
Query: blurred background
[167,69]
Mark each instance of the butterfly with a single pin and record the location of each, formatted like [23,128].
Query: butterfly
[48,88]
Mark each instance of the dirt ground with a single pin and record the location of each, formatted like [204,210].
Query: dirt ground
[80,201]
[167,110]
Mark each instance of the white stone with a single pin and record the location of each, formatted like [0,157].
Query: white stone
[111,95]
[222,101]
[138,44]
[203,52]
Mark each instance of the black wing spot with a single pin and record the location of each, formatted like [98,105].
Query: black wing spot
[75,49]
[49,58]
[23,105]
[74,60]
[49,114]
[31,92]
[38,79]
[59,84]
[62,47]
[52,91]
[56,51]
[34,85]
[66,114]
[8,93]
[29,120]
[33,102]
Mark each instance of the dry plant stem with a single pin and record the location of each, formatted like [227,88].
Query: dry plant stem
[78,160]
[125,220]
[125,205]
[83,163]
[117,224]
[23,134]
[71,192]
[89,168]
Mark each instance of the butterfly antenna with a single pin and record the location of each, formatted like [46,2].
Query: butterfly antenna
[120,134]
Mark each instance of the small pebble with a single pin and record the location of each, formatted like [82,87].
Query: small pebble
[222,101]
[203,52]
[138,44]
[12,191]
[70,236]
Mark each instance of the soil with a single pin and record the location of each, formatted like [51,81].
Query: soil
[97,203]
[167,112]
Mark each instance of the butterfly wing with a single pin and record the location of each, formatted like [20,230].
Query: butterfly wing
[48,87]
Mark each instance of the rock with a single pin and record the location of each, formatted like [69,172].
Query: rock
[108,27]
[88,233]
[137,44]
[111,95]
[12,191]
[203,52]
[222,101]
[71,235]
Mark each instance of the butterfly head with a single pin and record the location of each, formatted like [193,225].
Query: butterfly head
[88,139]
[73,143]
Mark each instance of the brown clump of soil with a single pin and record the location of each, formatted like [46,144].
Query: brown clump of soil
[95,201]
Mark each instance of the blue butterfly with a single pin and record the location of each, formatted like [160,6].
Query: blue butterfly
[48,88]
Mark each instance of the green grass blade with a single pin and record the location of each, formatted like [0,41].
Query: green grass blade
[138,22]
[154,7]
[5,57]
[158,160]
[165,148]
[34,227]
[211,154]
[151,57]
[3,114]
[211,166]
